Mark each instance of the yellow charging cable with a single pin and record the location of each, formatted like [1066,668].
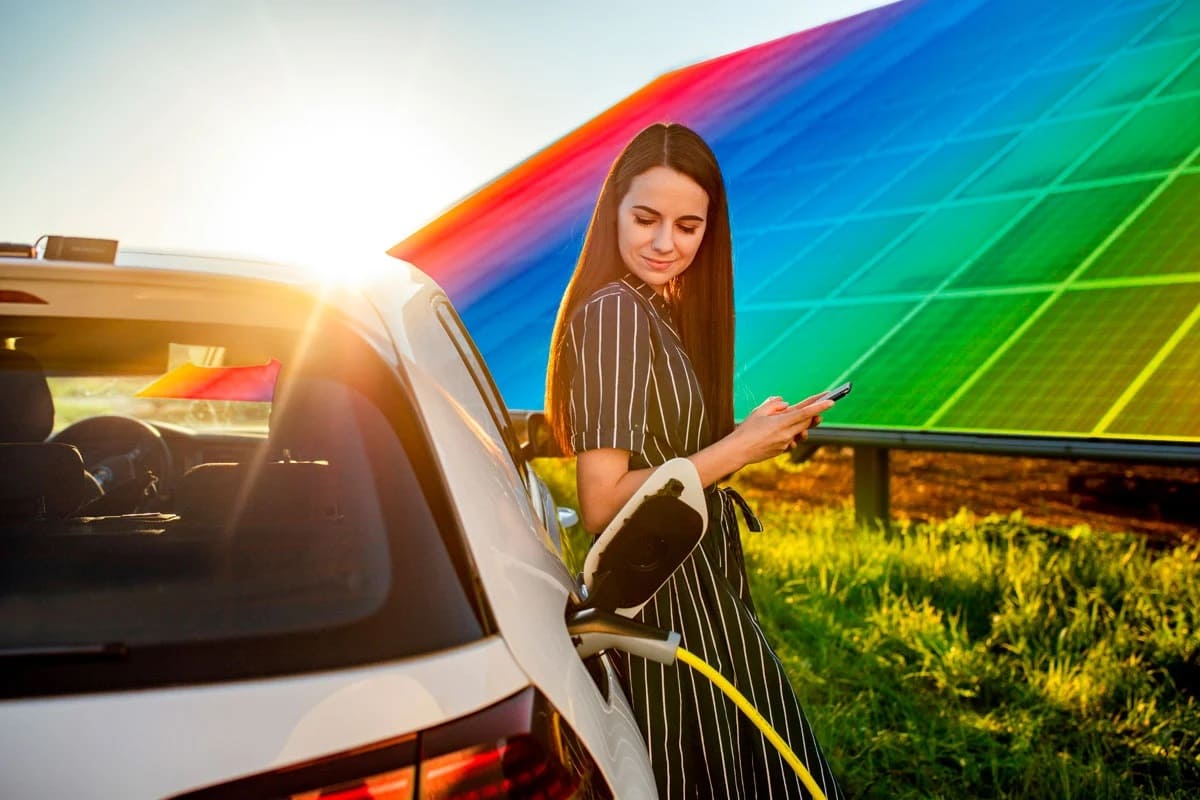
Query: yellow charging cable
[740,699]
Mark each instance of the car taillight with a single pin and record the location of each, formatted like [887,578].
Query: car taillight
[517,749]
[396,785]
[519,767]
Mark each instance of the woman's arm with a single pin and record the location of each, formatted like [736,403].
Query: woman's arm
[606,483]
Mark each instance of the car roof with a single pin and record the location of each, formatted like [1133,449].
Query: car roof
[185,286]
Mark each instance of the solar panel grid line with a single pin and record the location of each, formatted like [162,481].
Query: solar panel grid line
[1066,371]
[1170,402]
[951,137]
[804,113]
[885,213]
[863,269]
[1113,87]
[1080,285]
[951,333]
[827,95]
[1052,112]
[1148,371]
[809,246]
[803,89]
[1055,118]
[1176,24]
[957,135]
[1155,137]
[1112,28]
[1051,239]
[1044,86]
[1130,282]
[1053,298]
[866,201]
[970,382]
[1083,85]
[881,213]
[1164,240]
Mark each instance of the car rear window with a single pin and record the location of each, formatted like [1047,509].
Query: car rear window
[291,522]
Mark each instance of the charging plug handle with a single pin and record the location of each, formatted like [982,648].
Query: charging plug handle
[594,630]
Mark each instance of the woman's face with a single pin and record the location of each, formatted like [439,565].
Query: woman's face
[660,224]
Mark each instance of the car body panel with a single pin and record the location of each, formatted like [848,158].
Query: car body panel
[162,742]
[528,588]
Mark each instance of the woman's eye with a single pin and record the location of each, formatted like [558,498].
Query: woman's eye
[643,221]
[689,230]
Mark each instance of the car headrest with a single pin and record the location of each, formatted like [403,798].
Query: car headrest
[315,418]
[41,481]
[28,414]
[274,493]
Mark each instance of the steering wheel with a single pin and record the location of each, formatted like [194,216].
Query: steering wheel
[125,455]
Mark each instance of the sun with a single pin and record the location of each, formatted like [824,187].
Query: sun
[332,187]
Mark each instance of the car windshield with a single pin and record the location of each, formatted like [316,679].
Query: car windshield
[216,486]
[76,398]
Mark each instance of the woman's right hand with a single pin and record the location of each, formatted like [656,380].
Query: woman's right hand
[774,427]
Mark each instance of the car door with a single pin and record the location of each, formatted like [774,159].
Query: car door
[519,564]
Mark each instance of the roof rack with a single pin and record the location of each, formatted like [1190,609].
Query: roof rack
[17,250]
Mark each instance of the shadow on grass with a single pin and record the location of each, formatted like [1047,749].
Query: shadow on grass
[979,660]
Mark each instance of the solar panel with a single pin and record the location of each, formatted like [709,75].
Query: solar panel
[984,213]
[1163,239]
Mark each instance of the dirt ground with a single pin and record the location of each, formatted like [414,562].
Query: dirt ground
[1162,502]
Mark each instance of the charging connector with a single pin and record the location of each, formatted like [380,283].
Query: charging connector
[594,630]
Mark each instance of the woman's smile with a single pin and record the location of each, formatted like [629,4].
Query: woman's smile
[660,225]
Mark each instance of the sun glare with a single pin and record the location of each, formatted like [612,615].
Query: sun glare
[334,188]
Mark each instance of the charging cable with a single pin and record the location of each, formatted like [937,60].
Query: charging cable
[594,630]
[693,661]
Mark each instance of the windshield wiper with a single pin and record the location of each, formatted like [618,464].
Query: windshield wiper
[108,651]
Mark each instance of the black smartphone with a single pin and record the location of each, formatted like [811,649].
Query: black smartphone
[839,392]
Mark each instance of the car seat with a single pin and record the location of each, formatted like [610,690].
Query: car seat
[38,479]
[25,397]
[253,495]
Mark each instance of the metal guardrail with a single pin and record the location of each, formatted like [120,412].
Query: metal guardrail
[871,447]
[531,430]
[1132,450]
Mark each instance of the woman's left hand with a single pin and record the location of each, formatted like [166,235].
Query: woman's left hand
[776,404]
[772,405]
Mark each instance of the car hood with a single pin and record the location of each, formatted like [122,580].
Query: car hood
[161,742]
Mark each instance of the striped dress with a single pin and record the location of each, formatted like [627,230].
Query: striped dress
[633,388]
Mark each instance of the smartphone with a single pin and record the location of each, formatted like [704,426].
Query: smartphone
[837,393]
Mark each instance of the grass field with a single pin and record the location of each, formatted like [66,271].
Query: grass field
[978,657]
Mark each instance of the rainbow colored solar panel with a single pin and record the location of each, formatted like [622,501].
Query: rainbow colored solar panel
[986,213]
[188,381]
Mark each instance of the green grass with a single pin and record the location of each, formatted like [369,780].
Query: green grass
[978,657]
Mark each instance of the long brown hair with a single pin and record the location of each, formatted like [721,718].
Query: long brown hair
[700,298]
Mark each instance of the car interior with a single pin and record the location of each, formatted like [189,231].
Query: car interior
[211,517]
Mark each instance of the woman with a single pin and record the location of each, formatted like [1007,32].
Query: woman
[641,371]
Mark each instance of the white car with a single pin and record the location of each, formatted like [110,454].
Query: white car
[261,537]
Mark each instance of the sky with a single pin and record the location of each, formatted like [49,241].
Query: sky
[296,129]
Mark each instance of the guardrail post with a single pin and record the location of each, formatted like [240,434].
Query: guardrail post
[871,491]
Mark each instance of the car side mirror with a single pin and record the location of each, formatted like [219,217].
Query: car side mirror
[649,538]
[534,435]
